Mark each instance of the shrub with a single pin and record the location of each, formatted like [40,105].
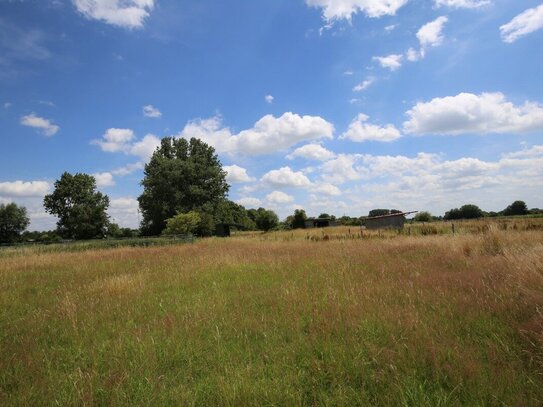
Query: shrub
[182,224]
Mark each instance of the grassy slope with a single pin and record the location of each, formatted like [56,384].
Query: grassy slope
[412,320]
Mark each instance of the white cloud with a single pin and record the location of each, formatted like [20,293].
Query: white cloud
[413,55]
[345,9]
[278,197]
[249,202]
[312,152]
[269,98]
[151,111]
[392,62]
[431,34]
[7,105]
[285,177]
[43,125]
[525,23]
[462,3]
[341,169]
[115,140]
[104,179]
[124,211]
[123,13]
[269,134]
[534,151]
[469,113]
[364,85]
[237,174]
[128,169]
[391,27]
[22,189]
[145,147]
[360,131]
[326,189]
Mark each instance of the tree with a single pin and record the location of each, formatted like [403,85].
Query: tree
[265,219]
[516,208]
[423,217]
[298,219]
[80,209]
[469,211]
[13,222]
[182,176]
[182,224]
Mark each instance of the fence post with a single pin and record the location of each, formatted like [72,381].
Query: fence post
[452,227]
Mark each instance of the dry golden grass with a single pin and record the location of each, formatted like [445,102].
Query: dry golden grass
[280,319]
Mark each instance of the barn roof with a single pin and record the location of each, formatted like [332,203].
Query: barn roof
[392,215]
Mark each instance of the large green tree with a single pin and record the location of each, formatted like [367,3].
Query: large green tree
[516,208]
[13,221]
[81,210]
[182,176]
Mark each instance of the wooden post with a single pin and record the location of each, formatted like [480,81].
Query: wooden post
[452,227]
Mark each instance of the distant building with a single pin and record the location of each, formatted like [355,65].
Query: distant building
[392,221]
[320,223]
[223,229]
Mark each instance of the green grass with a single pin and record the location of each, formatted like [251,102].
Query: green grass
[408,320]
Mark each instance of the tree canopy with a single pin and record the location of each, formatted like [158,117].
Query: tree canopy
[80,209]
[298,219]
[13,221]
[469,211]
[182,176]
[516,208]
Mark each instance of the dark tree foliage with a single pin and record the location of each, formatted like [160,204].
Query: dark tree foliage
[264,219]
[80,209]
[423,216]
[516,208]
[13,221]
[324,216]
[233,213]
[465,212]
[182,176]
[298,219]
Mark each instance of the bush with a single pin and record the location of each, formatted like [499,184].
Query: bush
[423,217]
[182,224]
[465,212]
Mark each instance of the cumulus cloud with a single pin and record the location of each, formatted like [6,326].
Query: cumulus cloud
[525,23]
[43,125]
[104,179]
[278,197]
[269,134]
[22,189]
[312,152]
[237,174]
[345,9]
[152,112]
[145,148]
[122,13]
[392,62]
[364,85]
[115,140]
[431,34]
[269,98]
[359,130]
[326,189]
[286,177]
[341,169]
[122,140]
[249,202]
[413,55]
[124,211]
[469,113]
[461,3]
[128,169]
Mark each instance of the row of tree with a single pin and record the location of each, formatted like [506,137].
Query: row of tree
[184,190]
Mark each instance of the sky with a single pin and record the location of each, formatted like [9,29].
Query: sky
[336,106]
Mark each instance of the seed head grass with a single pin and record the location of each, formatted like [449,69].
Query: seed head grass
[279,319]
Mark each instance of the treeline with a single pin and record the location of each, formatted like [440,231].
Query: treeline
[184,191]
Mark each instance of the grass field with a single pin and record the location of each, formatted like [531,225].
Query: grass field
[337,317]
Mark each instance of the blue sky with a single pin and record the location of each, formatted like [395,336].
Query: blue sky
[335,106]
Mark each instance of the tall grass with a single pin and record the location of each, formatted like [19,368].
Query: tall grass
[279,319]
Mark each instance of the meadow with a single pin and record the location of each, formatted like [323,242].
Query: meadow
[334,317]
